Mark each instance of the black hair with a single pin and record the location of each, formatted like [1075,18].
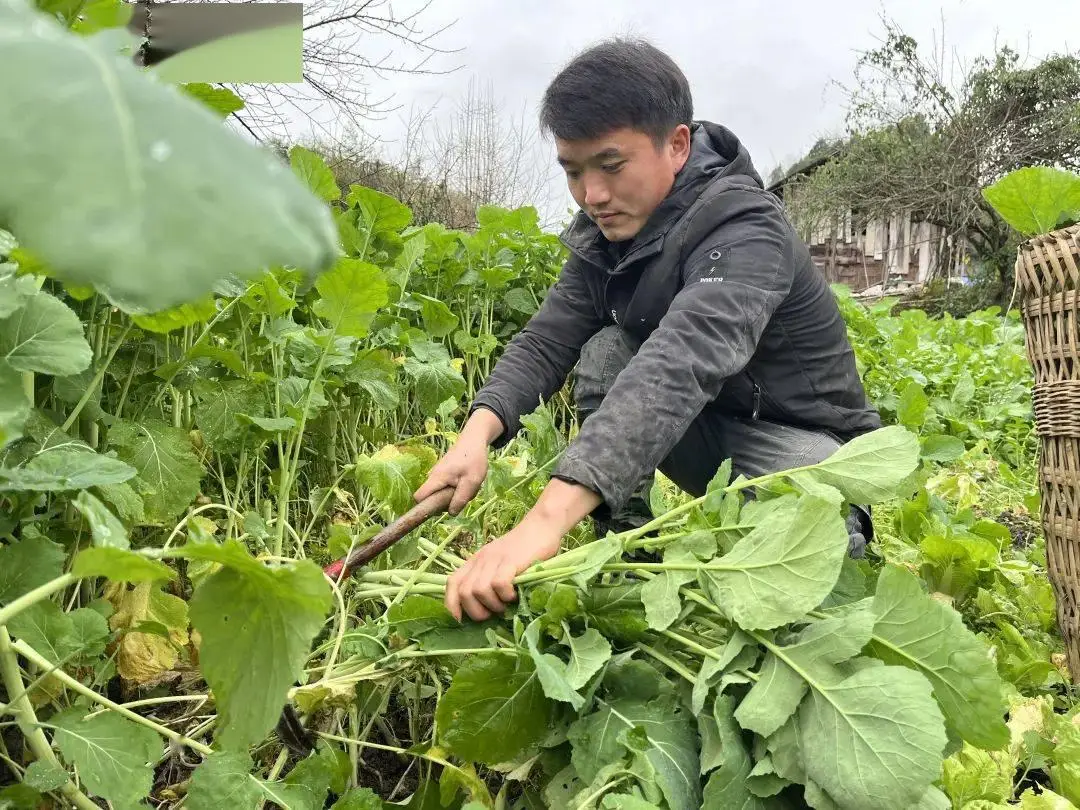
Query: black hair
[618,83]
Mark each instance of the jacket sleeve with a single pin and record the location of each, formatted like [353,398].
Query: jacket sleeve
[734,278]
[537,361]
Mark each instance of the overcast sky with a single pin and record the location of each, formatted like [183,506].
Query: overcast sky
[761,68]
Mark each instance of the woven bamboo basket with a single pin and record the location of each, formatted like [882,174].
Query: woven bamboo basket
[1048,276]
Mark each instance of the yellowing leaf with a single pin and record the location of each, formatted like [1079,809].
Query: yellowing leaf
[142,656]
[391,476]
[316,696]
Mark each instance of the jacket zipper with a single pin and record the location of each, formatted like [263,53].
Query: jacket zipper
[757,401]
[614,315]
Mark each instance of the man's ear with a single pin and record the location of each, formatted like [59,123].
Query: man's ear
[679,144]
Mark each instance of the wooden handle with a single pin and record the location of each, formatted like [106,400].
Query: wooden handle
[431,505]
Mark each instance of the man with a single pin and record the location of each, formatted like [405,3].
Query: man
[699,326]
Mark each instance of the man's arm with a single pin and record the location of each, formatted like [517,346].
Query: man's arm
[709,333]
[536,362]
[532,368]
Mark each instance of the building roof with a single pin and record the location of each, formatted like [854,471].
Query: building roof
[803,167]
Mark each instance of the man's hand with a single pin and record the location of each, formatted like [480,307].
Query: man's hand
[465,465]
[485,583]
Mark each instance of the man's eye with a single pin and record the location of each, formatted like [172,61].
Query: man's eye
[612,168]
[573,174]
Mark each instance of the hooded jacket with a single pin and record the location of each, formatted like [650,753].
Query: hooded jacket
[732,312]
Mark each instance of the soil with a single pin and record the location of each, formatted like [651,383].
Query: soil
[1022,527]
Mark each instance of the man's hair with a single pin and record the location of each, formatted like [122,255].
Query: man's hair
[618,83]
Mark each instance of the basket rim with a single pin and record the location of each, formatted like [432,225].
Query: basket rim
[1072,231]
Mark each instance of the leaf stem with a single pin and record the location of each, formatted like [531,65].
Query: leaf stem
[670,663]
[292,452]
[23,710]
[691,645]
[465,651]
[609,785]
[34,656]
[94,383]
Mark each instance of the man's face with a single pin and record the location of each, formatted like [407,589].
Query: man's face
[620,178]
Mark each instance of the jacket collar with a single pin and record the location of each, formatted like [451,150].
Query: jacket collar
[715,152]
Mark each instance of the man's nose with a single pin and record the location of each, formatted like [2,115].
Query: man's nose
[596,191]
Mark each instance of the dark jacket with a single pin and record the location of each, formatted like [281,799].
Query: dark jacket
[734,317]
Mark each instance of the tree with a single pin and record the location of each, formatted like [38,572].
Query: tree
[349,45]
[915,143]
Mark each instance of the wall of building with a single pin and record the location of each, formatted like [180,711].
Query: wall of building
[899,248]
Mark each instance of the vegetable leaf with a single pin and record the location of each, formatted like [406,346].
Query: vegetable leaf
[65,468]
[494,709]
[917,631]
[119,565]
[14,406]
[113,754]
[351,293]
[257,625]
[870,468]
[1035,199]
[28,564]
[727,786]
[670,745]
[312,169]
[169,472]
[885,721]
[783,568]
[48,629]
[44,335]
[45,776]
[153,234]
[223,780]
[434,376]
[391,476]
[220,404]
[142,655]
[104,526]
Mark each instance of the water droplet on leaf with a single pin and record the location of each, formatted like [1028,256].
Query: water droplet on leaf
[160,150]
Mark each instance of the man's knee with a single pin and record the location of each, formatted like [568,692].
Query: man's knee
[602,359]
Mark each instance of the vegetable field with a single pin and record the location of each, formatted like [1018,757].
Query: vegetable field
[186,438]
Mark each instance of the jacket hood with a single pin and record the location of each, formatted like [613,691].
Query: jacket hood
[715,152]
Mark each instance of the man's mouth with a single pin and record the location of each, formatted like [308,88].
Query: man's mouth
[607,217]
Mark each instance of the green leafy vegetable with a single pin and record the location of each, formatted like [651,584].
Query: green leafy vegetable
[869,469]
[919,632]
[44,335]
[257,625]
[105,528]
[494,709]
[113,754]
[119,565]
[783,568]
[28,564]
[168,471]
[155,234]
[1036,199]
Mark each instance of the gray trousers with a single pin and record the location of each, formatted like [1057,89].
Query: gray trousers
[756,447]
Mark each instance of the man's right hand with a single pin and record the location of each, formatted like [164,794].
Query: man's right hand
[465,465]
